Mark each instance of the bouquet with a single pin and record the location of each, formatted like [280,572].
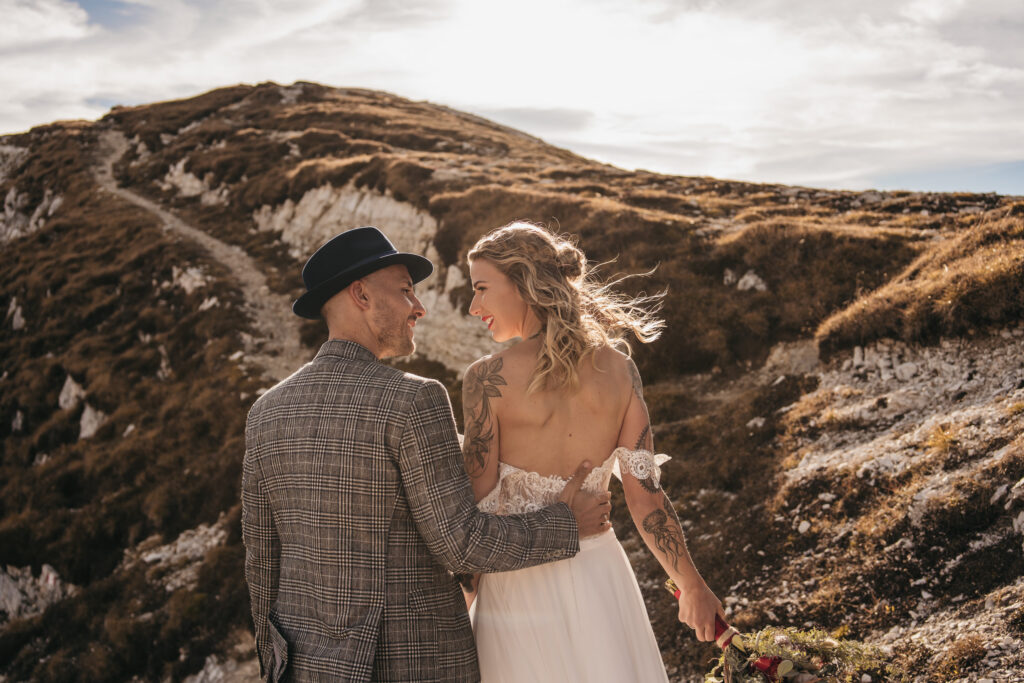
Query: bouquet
[787,655]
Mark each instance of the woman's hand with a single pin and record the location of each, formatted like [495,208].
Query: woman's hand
[697,609]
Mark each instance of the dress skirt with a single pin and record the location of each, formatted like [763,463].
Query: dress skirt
[581,619]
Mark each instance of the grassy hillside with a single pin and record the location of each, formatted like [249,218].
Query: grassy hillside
[156,332]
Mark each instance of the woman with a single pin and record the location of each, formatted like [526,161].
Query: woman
[534,411]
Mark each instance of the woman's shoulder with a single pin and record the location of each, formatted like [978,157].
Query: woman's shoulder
[499,363]
[615,365]
[610,358]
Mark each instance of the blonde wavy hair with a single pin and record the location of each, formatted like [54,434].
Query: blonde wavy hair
[578,314]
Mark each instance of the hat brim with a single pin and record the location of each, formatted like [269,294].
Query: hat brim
[309,304]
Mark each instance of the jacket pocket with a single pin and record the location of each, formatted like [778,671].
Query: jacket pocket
[430,601]
[279,661]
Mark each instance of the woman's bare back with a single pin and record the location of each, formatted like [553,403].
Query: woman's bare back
[552,432]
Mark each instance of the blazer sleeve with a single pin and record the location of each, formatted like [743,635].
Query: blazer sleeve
[441,500]
[262,553]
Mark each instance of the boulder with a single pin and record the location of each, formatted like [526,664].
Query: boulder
[905,371]
[751,280]
[70,395]
[92,420]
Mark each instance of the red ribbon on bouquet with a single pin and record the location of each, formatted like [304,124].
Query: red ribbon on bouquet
[725,635]
[772,668]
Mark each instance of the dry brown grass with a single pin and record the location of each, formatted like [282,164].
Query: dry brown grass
[942,441]
[958,659]
[972,280]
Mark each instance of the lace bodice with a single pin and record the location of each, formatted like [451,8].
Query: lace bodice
[521,490]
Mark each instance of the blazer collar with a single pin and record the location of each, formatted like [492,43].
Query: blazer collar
[343,348]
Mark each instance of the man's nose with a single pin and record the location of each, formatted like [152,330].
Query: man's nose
[418,309]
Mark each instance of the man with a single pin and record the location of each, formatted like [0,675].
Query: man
[355,505]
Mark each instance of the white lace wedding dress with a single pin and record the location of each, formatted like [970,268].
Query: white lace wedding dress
[581,619]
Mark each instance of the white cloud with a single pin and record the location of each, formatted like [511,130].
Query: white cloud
[795,91]
[39,22]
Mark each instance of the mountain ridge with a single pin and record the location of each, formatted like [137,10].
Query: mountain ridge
[167,348]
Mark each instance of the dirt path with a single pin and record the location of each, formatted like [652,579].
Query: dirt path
[276,348]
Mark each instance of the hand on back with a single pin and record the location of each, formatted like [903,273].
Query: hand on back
[591,510]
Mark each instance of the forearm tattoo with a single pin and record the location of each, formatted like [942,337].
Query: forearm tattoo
[479,387]
[663,526]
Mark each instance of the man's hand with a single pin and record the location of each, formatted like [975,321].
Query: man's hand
[591,510]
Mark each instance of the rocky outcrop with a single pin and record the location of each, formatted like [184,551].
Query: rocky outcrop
[175,565]
[23,594]
[447,334]
[936,429]
[326,211]
[970,385]
[19,218]
[188,185]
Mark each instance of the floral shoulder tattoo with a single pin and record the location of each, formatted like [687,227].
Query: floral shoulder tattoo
[479,387]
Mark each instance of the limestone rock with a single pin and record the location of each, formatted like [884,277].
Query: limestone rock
[446,335]
[751,280]
[176,564]
[189,279]
[14,315]
[24,595]
[70,395]
[904,371]
[92,420]
[165,372]
[17,221]
[188,185]
[325,211]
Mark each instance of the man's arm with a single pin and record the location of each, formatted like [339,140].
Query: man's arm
[262,552]
[441,499]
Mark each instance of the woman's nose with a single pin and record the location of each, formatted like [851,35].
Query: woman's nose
[474,307]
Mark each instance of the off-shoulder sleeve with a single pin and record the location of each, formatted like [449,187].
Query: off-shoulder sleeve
[641,464]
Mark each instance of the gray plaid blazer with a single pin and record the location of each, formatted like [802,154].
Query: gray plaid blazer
[355,512]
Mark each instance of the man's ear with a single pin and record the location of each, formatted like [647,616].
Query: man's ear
[359,294]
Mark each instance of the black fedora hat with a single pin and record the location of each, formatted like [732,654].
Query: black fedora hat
[347,257]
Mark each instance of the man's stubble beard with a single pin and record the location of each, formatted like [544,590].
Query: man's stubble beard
[393,339]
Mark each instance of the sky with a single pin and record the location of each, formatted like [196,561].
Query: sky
[848,94]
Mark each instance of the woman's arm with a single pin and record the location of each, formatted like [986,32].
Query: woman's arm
[656,519]
[482,383]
